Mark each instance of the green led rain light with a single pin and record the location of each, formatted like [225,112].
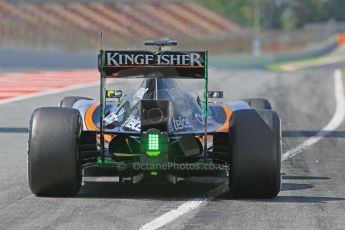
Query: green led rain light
[153,145]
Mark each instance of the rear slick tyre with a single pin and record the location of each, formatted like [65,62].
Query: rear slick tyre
[258,103]
[53,152]
[256,154]
[68,102]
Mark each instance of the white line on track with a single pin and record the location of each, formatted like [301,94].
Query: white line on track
[184,208]
[48,92]
[334,123]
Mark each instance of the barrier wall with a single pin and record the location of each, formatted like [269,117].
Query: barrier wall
[250,62]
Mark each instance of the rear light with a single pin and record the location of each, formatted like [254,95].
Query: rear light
[153,143]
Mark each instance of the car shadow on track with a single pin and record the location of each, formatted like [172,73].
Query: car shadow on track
[288,185]
[305,199]
[14,130]
[287,177]
[159,191]
[295,186]
[288,199]
[311,133]
[186,191]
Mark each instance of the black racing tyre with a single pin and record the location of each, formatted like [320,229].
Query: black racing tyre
[68,102]
[258,103]
[256,154]
[53,152]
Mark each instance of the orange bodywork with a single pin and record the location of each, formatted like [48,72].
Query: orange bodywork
[88,117]
[91,126]
[225,127]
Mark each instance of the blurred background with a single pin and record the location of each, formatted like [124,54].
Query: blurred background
[222,26]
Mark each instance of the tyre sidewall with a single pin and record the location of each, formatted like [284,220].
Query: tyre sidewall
[53,152]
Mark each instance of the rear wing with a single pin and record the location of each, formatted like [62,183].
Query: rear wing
[147,64]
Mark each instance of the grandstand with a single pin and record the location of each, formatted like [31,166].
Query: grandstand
[121,21]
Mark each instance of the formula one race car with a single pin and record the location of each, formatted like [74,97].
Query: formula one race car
[158,131]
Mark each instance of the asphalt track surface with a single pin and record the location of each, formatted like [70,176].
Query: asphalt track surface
[313,190]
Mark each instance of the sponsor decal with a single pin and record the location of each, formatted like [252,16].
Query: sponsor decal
[172,64]
[140,93]
[113,117]
[133,123]
[181,123]
[200,118]
[130,58]
[170,126]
